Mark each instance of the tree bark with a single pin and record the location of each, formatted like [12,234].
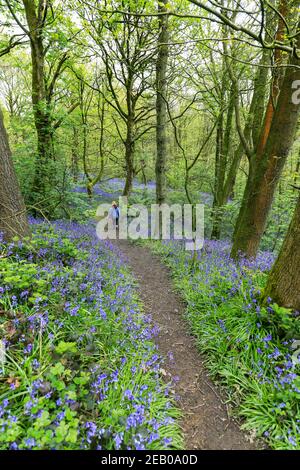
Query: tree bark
[283,285]
[161,105]
[13,219]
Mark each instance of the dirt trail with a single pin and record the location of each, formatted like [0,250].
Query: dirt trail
[206,424]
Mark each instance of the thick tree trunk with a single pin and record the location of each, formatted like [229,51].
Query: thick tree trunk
[161,106]
[13,219]
[261,186]
[283,285]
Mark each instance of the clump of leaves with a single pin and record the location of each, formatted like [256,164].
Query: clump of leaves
[285,321]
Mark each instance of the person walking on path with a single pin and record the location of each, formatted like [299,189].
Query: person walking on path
[114,214]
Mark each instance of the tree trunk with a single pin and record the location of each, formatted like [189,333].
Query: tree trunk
[93,181]
[297,172]
[161,105]
[219,182]
[283,285]
[13,219]
[40,106]
[74,155]
[260,189]
[129,153]
[84,159]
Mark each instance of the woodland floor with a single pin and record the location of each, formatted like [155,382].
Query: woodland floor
[206,423]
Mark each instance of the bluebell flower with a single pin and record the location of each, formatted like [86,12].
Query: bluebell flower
[118,440]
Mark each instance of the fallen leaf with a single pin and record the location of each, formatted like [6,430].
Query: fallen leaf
[15,381]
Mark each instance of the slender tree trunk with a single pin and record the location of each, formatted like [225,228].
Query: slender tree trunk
[13,219]
[84,152]
[219,182]
[226,147]
[297,170]
[84,104]
[260,189]
[75,156]
[129,154]
[161,106]
[283,285]
[93,181]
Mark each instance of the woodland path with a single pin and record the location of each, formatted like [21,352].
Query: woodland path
[206,423]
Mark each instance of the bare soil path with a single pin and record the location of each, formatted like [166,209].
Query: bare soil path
[206,423]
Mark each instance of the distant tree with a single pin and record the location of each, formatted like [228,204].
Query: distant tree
[126,44]
[12,88]
[87,97]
